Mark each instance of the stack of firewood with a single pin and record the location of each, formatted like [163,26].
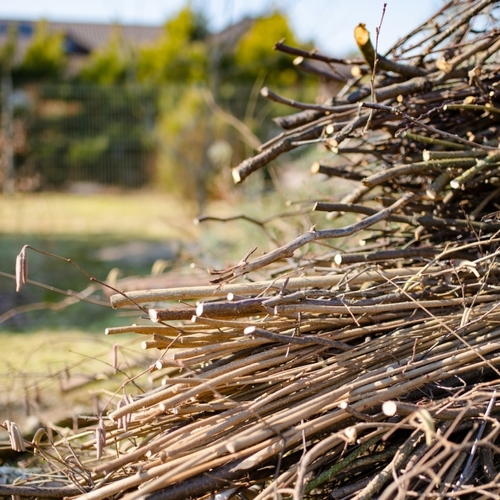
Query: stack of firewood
[367,373]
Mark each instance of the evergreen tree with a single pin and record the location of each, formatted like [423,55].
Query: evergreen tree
[110,64]
[180,55]
[45,58]
[254,52]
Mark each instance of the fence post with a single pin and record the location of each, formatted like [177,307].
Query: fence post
[7,164]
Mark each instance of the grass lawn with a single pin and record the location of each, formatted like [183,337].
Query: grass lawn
[86,229]
[55,375]
[45,343]
[142,214]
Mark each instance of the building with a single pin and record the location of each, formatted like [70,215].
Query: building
[80,39]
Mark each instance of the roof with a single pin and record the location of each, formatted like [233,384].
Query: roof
[230,35]
[92,36]
[81,38]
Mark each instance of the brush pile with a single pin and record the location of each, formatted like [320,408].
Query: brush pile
[363,374]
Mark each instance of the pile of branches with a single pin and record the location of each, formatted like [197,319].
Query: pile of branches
[356,374]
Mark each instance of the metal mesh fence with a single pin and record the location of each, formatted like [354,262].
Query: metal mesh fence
[71,133]
[128,136]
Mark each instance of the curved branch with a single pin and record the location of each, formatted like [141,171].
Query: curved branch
[288,250]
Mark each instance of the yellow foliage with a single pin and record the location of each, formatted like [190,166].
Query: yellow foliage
[179,55]
[110,64]
[258,42]
[255,49]
[45,55]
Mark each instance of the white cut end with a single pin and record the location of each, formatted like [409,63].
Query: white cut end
[249,330]
[231,448]
[236,176]
[355,71]
[153,315]
[264,91]
[390,408]
[162,363]
[199,309]
[338,259]
[431,194]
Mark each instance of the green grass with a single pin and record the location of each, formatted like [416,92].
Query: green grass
[56,374]
[79,227]
[44,341]
[43,338]
[145,215]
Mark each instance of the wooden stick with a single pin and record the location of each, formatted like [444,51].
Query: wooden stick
[258,287]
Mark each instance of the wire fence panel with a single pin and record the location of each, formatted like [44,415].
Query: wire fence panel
[130,136]
[83,133]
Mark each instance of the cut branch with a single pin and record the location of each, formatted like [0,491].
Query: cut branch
[309,237]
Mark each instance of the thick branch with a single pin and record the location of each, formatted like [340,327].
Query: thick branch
[362,37]
[260,160]
[259,287]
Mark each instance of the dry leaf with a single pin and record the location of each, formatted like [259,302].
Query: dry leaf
[21,269]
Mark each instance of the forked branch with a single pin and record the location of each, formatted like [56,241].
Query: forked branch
[287,250]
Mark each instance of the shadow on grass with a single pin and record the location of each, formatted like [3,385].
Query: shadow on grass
[34,307]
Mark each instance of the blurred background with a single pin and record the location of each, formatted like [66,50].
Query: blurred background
[121,120]
[132,94]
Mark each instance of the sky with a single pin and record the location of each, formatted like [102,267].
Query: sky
[328,23]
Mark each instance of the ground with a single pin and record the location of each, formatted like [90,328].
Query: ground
[51,353]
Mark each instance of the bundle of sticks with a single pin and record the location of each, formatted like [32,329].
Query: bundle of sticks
[359,374]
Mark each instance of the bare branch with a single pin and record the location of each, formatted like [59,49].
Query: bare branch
[288,250]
